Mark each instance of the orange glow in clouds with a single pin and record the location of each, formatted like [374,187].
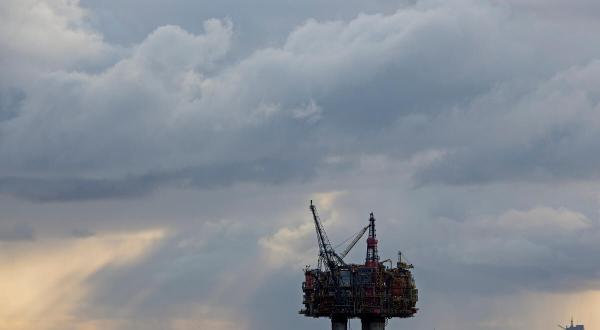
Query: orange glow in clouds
[42,282]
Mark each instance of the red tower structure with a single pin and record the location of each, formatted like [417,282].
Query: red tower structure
[372,259]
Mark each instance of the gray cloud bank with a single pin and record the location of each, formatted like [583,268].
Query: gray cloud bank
[433,76]
[469,127]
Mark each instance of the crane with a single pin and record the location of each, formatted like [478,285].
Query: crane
[327,254]
[354,241]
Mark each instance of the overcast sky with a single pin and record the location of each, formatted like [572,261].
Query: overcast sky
[157,160]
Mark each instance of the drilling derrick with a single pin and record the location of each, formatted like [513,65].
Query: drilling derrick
[371,292]
[372,259]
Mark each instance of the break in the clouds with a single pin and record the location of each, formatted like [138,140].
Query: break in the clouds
[469,127]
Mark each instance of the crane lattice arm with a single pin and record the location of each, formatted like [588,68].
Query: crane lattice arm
[353,243]
[326,252]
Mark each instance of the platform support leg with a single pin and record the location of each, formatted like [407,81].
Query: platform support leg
[373,323]
[339,323]
[365,324]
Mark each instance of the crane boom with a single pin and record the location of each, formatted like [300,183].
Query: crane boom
[354,241]
[326,251]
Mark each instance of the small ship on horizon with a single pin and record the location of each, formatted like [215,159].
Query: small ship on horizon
[572,327]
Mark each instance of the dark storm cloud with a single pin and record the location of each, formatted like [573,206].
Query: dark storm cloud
[547,134]
[73,189]
[332,89]
[274,171]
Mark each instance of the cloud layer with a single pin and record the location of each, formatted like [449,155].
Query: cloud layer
[469,127]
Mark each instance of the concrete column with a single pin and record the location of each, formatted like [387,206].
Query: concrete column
[365,324]
[377,325]
[339,323]
[373,323]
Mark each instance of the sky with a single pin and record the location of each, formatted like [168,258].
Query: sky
[157,159]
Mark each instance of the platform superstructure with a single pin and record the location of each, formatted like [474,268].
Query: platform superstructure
[374,291]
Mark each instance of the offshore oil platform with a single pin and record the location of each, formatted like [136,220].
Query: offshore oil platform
[373,291]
